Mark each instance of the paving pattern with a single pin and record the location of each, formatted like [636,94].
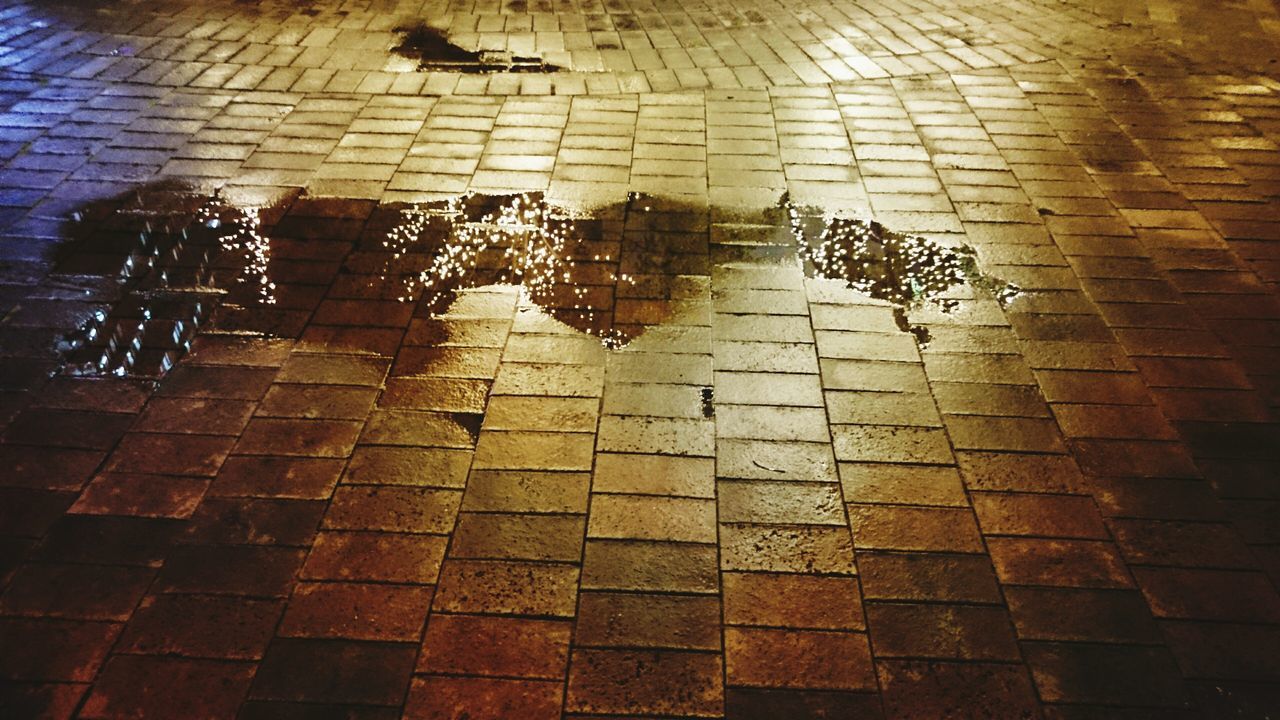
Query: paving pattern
[334,495]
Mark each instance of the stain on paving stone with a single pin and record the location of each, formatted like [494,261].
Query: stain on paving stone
[907,271]
[433,51]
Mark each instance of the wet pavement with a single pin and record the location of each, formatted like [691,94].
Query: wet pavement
[616,359]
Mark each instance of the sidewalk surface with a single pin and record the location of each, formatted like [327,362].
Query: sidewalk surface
[651,446]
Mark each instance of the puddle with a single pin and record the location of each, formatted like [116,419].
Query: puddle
[612,274]
[149,271]
[433,52]
[907,271]
[157,262]
[162,264]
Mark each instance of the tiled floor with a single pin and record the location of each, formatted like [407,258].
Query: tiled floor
[765,495]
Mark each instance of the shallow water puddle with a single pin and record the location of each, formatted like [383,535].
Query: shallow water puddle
[907,271]
[172,263]
[433,51]
[166,263]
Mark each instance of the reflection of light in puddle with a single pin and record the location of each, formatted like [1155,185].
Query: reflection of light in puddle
[167,263]
[523,241]
[179,260]
[904,270]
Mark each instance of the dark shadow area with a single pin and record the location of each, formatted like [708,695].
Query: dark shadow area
[433,51]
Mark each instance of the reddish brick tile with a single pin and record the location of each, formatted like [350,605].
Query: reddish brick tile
[1225,595]
[452,698]
[654,475]
[333,369]
[515,412]
[203,416]
[779,502]
[928,576]
[683,622]
[250,570]
[527,491]
[502,536]
[1071,516]
[902,484]
[208,381]
[1020,472]
[76,592]
[807,659]
[193,455]
[914,528]
[306,438]
[285,710]
[1225,650]
[29,512]
[647,682]
[108,540]
[1181,543]
[765,460]
[1064,563]
[951,691]
[634,565]
[45,468]
[959,632]
[768,704]
[357,611]
[335,671]
[792,601]
[786,548]
[496,646]
[317,402]
[257,476]
[139,686]
[420,429]
[393,509]
[501,587]
[1085,615]
[534,451]
[55,701]
[426,467]
[464,395]
[890,444]
[54,650]
[385,557]
[238,521]
[141,495]
[201,626]
[645,517]
[972,432]
[1105,674]
[68,429]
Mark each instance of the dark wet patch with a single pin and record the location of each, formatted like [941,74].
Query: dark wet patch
[144,273]
[611,274]
[708,402]
[433,51]
[907,271]
[153,265]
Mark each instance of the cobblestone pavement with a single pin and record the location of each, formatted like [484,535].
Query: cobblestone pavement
[357,487]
